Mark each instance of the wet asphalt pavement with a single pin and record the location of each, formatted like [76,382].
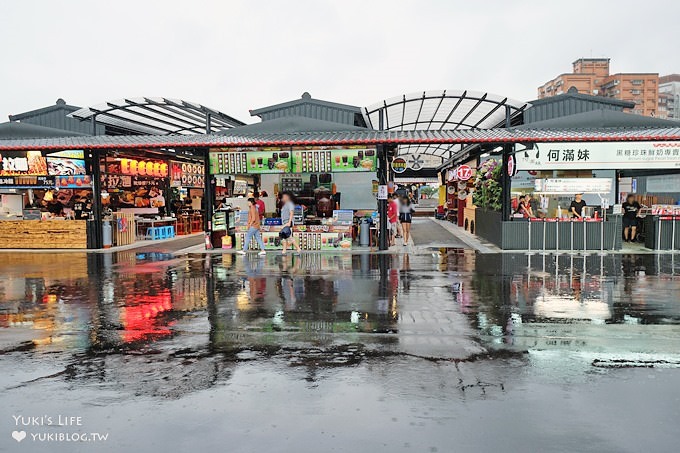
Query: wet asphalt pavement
[441,351]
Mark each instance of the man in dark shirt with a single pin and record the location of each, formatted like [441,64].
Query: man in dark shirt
[576,206]
[630,211]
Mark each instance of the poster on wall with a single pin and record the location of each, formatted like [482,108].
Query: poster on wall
[133,191]
[22,163]
[599,156]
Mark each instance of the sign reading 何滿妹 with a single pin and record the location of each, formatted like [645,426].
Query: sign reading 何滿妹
[599,156]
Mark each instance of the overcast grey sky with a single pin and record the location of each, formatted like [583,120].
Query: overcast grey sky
[240,55]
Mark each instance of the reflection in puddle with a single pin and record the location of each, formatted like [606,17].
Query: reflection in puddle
[335,310]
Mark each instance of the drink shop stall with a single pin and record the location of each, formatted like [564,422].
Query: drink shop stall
[45,199]
[604,173]
[331,185]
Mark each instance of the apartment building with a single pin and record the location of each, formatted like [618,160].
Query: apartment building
[669,96]
[592,76]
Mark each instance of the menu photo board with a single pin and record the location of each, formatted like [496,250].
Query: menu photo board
[268,160]
[27,181]
[353,159]
[311,160]
[227,162]
[186,174]
[73,181]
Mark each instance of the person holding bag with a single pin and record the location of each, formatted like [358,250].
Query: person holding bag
[287,220]
[253,228]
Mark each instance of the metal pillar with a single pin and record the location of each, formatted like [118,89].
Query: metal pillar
[209,194]
[97,211]
[506,179]
[208,123]
[506,182]
[382,204]
[382,180]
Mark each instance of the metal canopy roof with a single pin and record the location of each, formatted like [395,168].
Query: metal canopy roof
[439,111]
[158,116]
[360,137]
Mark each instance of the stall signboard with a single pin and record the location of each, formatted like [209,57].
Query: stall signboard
[22,163]
[134,191]
[68,154]
[63,166]
[353,159]
[73,181]
[139,167]
[186,174]
[573,185]
[399,165]
[600,156]
[27,181]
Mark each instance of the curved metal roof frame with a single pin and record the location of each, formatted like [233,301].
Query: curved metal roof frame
[158,116]
[442,110]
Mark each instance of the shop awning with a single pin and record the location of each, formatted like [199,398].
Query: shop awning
[366,137]
[441,110]
[157,116]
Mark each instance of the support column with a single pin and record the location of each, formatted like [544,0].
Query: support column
[209,193]
[382,204]
[506,182]
[383,243]
[97,212]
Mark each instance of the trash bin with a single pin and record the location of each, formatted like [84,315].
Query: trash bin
[365,232]
[107,234]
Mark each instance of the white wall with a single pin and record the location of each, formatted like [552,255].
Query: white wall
[356,190]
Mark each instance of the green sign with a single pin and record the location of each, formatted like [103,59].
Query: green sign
[274,161]
[353,159]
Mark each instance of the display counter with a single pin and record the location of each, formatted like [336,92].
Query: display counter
[562,234]
[549,234]
[310,237]
[661,232]
[43,234]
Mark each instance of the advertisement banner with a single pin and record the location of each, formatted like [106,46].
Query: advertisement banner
[22,163]
[600,156]
[59,166]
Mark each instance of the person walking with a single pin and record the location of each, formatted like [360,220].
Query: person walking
[287,222]
[405,216]
[253,228]
[392,217]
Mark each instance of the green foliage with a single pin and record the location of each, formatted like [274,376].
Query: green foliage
[487,182]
